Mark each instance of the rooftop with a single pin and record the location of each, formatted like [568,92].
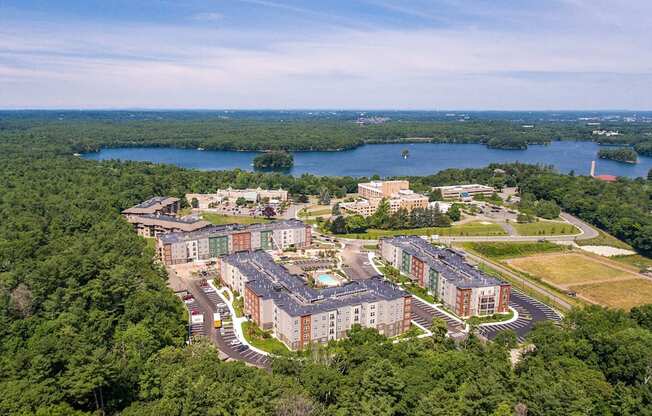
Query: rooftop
[450,263]
[151,205]
[293,295]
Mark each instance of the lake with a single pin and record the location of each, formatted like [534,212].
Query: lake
[386,160]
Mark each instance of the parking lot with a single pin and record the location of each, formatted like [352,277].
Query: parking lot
[530,312]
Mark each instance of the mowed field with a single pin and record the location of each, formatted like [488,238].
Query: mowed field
[597,280]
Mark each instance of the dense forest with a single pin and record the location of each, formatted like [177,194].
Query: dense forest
[88,326]
[274,160]
[620,154]
[90,131]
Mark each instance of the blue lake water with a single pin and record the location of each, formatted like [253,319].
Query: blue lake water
[386,160]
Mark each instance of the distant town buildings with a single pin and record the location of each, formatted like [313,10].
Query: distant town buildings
[363,121]
[397,194]
[231,195]
[159,215]
[607,133]
[464,192]
[300,315]
[445,273]
[219,240]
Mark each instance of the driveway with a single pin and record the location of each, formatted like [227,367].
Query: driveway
[355,261]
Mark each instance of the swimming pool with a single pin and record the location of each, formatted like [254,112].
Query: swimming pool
[327,280]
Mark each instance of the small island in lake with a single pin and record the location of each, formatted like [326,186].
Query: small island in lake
[620,154]
[274,160]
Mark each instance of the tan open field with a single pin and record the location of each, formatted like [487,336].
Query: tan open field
[623,294]
[565,270]
[596,280]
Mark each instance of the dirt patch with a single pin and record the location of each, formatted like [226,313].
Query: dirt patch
[607,251]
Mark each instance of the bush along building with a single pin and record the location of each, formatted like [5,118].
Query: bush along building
[215,241]
[299,315]
[445,273]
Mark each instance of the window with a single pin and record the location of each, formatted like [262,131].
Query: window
[373,321]
[372,314]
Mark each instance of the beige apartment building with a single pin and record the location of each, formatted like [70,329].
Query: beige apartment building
[299,315]
[397,194]
[381,189]
[164,205]
[154,225]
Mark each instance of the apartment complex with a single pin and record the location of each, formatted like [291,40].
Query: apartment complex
[445,273]
[231,195]
[381,189]
[220,240]
[158,215]
[464,191]
[162,205]
[397,194]
[154,225]
[299,315]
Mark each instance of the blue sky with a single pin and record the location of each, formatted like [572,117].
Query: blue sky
[373,54]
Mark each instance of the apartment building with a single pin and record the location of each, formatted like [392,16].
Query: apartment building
[154,225]
[231,195]
[464,191]
[219,240]
[299,315]
[162,205]
[445,273]
[397,194]
[381,189]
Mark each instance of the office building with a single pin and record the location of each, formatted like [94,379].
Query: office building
[396,193]
[299,315]
[231,195]
[445,273]
[381,189]
[464,191]
[219,240]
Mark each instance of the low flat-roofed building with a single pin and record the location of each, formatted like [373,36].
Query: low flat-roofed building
[299,315]
[231,195]
[219,240]
[154,225]
[444,273]
[165,205]
[462,191]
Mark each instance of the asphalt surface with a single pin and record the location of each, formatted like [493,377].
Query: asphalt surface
[355,261]
[423,315]
[530,312]
[208,302]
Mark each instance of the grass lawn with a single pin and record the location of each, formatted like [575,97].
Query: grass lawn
[469,229]
[497,317]
[263,340]
[500,250]
[604,239]
[413,332]
[219,219]
[624,294]
[370,246]
[568,269]
[635,260]
[545,228]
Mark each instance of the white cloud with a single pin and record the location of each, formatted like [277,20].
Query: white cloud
[200,67]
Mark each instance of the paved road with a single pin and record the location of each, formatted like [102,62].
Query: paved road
[355,261]
[588,232]
[206,301]
[530,312]
[225,339]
